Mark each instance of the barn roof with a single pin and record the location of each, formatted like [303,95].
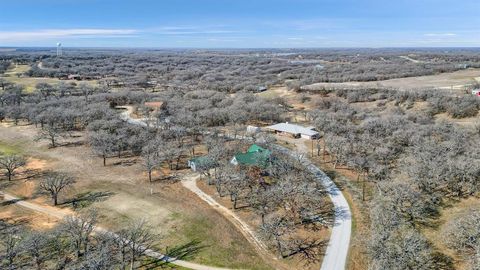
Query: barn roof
[291,128]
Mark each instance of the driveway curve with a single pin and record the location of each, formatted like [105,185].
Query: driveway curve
[337,250]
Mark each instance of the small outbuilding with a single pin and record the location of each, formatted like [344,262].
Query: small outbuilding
[155,105]
[261,89]
[253,129]
[294,131]
[200,163]
[74,77]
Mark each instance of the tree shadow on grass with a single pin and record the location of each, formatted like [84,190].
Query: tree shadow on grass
[88,198]
[309,251]
[10,202]
[185,252]
[4,184]
[32,173]
[72,144]
[126,162]
[168,179]
[333,175]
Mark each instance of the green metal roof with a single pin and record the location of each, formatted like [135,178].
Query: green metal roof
[255,156]
[255,148]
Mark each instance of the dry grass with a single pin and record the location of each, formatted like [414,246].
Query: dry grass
[451,211]
[14,214]
[468,122]
[122,193]
[455,81]
[30,82]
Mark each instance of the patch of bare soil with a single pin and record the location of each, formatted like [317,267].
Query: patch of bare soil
[466,122]
[14,214]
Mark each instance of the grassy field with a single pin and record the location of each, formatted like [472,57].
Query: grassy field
[121,193]
[12,75]
[455,81]
[9,149]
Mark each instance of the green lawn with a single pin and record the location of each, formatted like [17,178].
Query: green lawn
[9,149]
[214,250]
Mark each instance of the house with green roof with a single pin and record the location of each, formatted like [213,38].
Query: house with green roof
[255,156]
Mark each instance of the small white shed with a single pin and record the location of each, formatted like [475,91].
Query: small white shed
[253,129]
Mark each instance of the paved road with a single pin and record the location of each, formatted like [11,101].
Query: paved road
[60,214]
[336,253]
[337,250]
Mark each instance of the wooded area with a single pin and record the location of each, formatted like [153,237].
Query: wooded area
[410,163]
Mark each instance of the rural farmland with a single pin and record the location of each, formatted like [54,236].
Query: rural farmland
[248,135]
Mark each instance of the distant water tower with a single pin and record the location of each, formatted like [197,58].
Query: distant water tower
[59,49]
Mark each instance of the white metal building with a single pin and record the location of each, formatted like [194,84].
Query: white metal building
[295,131]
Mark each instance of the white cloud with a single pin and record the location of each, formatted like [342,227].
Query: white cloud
[46,34]
[440,34]
[184,31]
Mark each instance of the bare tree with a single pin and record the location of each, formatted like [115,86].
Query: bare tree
[34,245]
[276,228]
[11,242]
[140,239]
[151,158]
[463,232]
[10,164]
[103,143]
[86,90]
[54,183]
[51,133]
[45,89]
[79,229]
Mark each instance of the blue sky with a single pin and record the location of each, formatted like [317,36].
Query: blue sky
[240,24]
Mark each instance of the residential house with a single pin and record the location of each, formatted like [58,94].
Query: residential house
[255,156]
